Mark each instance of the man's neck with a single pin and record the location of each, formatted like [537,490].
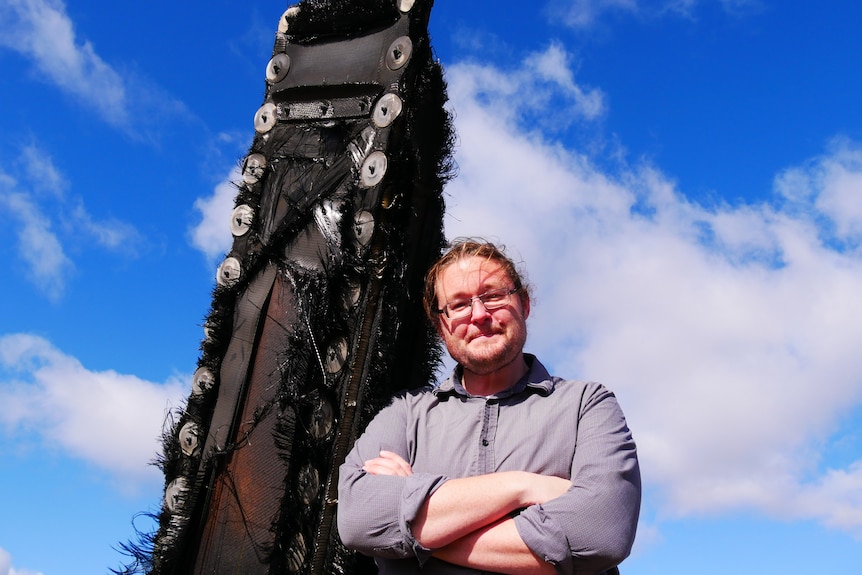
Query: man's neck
[492,383]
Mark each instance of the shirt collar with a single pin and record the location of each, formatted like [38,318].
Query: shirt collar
[536,378]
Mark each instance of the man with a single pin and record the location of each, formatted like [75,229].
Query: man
[502,468]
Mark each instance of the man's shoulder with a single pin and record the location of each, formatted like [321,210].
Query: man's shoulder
[584,393]
[414,395]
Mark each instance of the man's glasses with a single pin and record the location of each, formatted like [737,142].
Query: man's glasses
[493,299]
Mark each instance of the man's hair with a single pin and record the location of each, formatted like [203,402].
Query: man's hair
[461,248]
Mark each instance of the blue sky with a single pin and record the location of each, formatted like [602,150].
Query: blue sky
[682,178]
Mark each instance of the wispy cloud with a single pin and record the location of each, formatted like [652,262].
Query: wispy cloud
[45,217]
[211,234]
[42,31]
[111,234]
[39,170]
[542,90]
[109,419]
[729,332]
[831,182]
[585,14]
[6,565]
[48,266]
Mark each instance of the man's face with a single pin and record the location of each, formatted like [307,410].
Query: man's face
[483,341]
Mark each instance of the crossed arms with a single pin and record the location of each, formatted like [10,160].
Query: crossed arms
[466,520]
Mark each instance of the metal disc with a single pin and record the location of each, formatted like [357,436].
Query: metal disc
[202,381]
[363,228]
[373,169]
[336,356]
[388,108]
[175,492]
[228,272]
[309,484]
[253,169]
[399,53]
[189,437]
[321,420]
[277,68]
[265,118]
[241,219]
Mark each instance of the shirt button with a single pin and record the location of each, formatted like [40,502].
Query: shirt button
[485,442]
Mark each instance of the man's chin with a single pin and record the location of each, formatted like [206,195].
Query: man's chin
[486,360]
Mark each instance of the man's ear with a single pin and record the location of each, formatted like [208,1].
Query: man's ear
[525,304]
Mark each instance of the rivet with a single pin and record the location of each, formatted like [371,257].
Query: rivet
[336,356]
[363,227]
[175,493]
[253,168]
[189,438]
[265,118]
[388,108]
[399,52]
[322,420]
[309,484]
[202,381]
[241,219]
[277,68]
[228,272]
[373,169]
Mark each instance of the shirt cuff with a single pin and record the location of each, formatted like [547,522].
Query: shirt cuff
[545,538]
[417,489]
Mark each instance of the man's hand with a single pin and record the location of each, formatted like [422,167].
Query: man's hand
[388,463]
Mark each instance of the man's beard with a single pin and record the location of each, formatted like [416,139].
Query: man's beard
[483,361]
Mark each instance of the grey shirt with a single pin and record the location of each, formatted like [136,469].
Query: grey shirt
[544,425]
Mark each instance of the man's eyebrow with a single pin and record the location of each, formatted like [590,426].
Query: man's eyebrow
[483,289]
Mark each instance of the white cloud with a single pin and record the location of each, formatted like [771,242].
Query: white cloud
[48,267]
[542,88]
[40,171]
[6,565]
[47,217]
[43,31]
[730,333]
[109,419]
[111,234]
[554,66]
[212,234]
[584,13]
[834,181]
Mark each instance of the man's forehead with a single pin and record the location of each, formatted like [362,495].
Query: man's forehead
[471,270]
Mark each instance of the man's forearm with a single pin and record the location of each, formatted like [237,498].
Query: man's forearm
[462,506]
[498,548]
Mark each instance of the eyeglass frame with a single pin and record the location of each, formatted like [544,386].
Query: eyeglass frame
[468,308]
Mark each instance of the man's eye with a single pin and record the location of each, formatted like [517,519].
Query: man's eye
[459,305]
[493,297]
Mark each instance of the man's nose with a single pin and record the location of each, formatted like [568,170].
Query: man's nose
[478,312]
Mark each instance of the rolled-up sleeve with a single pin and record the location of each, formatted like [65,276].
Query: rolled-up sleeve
[592,526]
[375,511]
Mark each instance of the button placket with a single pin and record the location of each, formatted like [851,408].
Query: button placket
[490,414]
